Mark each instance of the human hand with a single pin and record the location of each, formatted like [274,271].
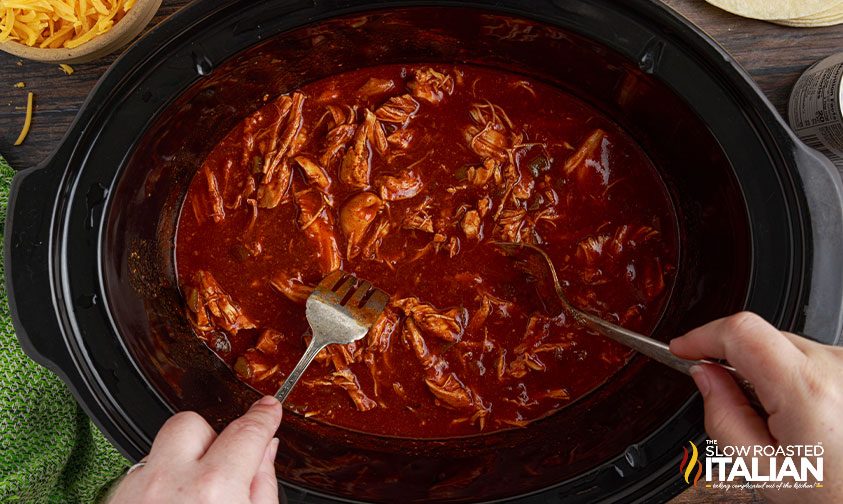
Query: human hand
[189,463]
[799,383]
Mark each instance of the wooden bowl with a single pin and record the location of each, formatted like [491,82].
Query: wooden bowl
[123,32]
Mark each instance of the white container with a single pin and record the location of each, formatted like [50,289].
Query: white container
[815,111]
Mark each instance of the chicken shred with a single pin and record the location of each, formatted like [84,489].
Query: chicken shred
[356,165]
[403,185]
[292,287]
[209,307]
[398,109]
[356,217]
[430,85]
[318,225]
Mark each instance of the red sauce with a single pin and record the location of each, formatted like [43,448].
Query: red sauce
[402,175]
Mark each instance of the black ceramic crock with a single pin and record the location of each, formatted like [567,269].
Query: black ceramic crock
[89,242]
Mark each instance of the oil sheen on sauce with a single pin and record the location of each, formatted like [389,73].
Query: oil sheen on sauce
[402,175]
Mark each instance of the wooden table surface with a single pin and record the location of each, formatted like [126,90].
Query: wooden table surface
[775,56]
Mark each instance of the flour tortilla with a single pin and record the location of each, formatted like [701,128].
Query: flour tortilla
[800,23]
[828,17]
[776,9]
[834,12]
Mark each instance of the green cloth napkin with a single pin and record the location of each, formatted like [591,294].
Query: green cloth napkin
[49,449]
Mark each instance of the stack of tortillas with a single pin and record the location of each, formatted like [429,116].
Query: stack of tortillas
[801,13]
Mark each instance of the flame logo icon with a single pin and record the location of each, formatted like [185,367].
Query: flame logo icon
[686,467]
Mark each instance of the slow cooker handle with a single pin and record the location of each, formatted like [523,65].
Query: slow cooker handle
[28,228]
[824,192]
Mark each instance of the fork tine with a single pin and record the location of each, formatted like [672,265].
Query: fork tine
[340,286]
[344,288]
[360,292]
[376,303]
[329,282]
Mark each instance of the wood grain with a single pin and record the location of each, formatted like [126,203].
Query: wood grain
[775,56]
[57,99]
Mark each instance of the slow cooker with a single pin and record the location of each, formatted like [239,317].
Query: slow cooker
[89,242]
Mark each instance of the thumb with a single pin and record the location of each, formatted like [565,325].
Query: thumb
[729,418]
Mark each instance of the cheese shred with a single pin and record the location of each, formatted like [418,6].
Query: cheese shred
[59,23]
[28,121]
[66,68]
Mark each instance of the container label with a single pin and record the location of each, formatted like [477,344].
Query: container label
[814,109]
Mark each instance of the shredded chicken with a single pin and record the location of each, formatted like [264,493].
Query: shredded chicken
[481,175]
[318,225]
[340,134]
[370,246]
[489,304]
[430,85]
[419,218]
[377,136]
[451,391]
[400,139]
[251,366]
[375,86]
[490,132]
[270,194]
[291,286]
[356,165]
[382,330]
[403,185]
[627,236]
[356,216]
[398,109]
[511,226]
[590,158]
[447,325]
[472,225]
[314,173]
[593,253]
[484,206]
[217,204]
[532,344]
[276,170]
[268,341]
[346,380]
[441,382]
[210,307]
[244,192]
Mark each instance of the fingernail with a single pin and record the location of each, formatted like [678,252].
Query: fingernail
[701,379]
[273,448]
[267,401]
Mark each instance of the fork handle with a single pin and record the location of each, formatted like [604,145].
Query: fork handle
[660,352]
[312,350]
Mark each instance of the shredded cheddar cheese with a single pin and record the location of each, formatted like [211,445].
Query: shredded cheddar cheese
[59,23]
[28,121]
[66,68]
[20,84]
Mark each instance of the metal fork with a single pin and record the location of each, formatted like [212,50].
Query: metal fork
[538,266]
[340,310]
